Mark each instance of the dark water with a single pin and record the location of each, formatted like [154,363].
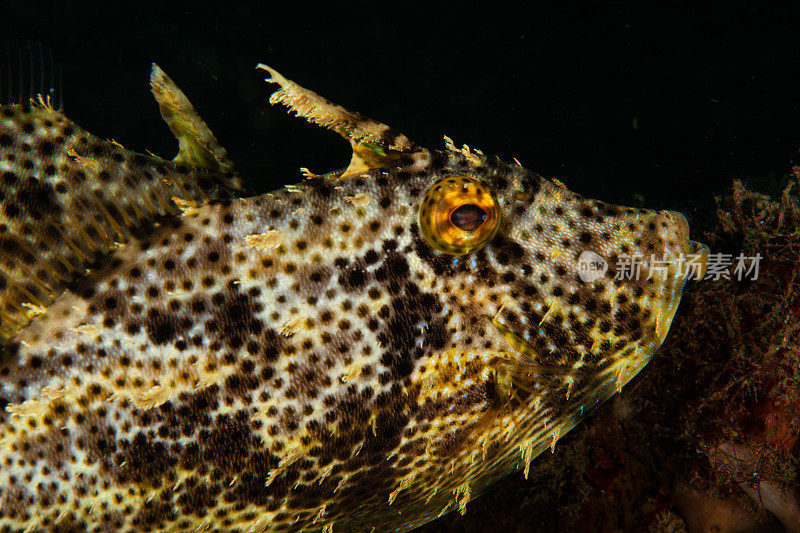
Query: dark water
[614,101]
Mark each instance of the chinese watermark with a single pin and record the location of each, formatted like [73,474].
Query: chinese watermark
[592,266]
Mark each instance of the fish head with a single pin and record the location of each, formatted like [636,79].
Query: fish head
[539,294]
[581,291]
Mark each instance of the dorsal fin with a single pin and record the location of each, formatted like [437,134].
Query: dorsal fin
[68,198]
[197,145]
[374,144]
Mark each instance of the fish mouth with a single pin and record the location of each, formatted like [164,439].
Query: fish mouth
[702,252]
[684,261]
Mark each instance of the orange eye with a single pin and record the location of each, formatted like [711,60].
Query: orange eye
[459,215]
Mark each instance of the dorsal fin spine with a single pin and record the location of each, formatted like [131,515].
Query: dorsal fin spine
[145,199]
[318,110]
[110,218]
[28,294]
[85,239]
[73,246]
[374,145]
[48,241]
[197,145]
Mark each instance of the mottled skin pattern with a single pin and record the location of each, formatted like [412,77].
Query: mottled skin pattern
[68,198]
[305,360]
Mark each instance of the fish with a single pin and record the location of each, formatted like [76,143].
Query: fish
[364,350]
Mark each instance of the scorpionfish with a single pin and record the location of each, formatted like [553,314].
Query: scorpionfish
[365,350]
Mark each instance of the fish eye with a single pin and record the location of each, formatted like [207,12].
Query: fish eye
[459,215]
[468,217]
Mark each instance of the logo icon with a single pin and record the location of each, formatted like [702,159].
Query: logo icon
[591,266]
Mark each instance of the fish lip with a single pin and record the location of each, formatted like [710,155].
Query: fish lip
[689,263]
[688,249]
[701,252]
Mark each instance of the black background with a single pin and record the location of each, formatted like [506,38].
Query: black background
[712,85]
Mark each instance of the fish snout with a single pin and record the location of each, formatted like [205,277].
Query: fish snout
[676,228]
[690,257]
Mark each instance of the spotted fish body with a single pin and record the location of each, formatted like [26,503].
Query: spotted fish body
[177,357]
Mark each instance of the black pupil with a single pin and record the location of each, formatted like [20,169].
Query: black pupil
[468,217]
